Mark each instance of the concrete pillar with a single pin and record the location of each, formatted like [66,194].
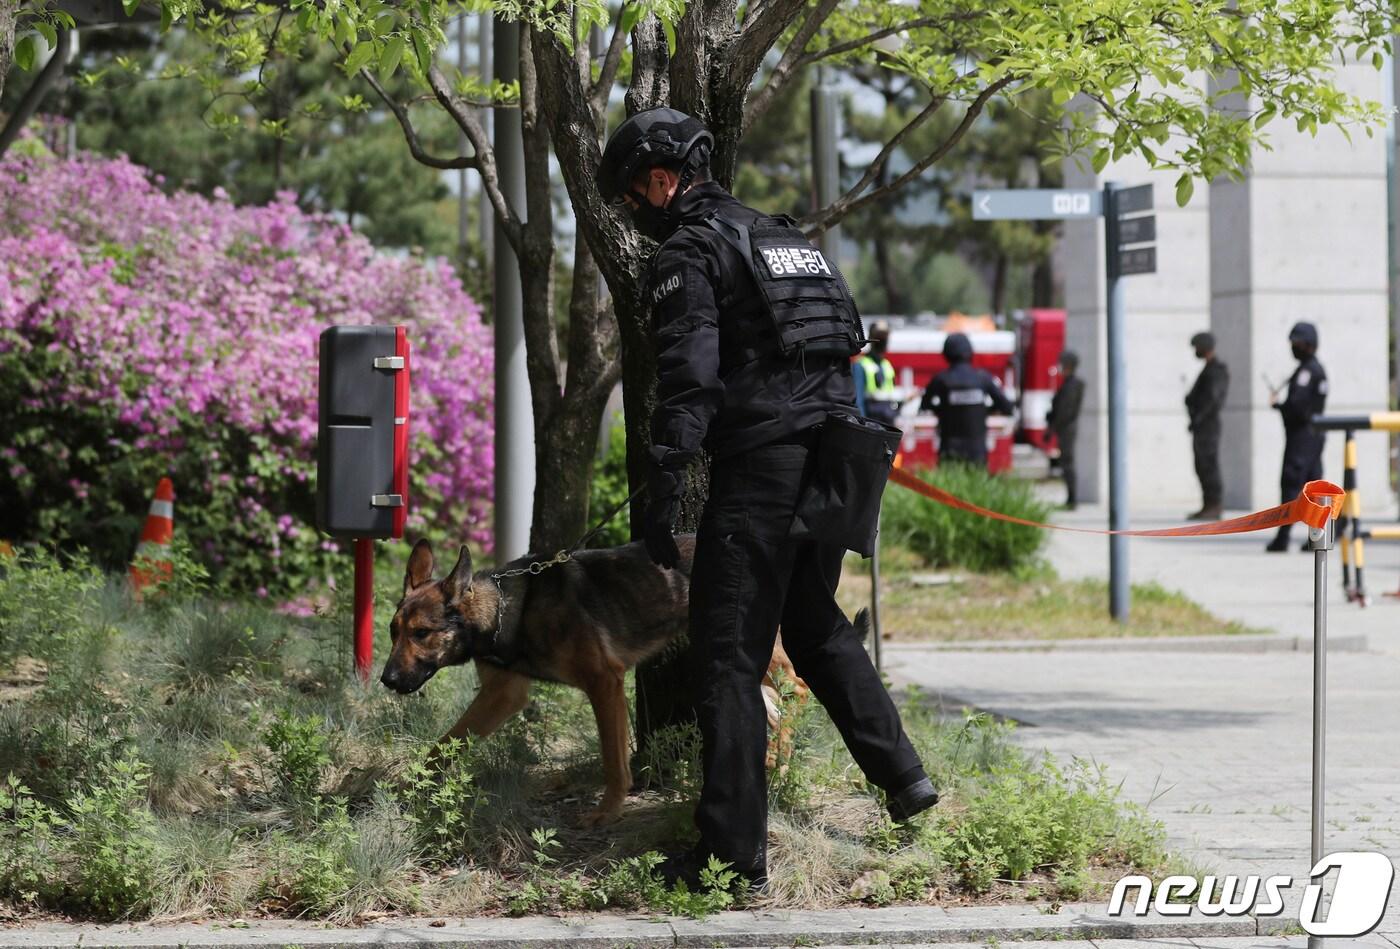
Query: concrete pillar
[1303,237]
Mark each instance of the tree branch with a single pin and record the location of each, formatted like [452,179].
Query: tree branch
[778,79]
[598,97]
[468,121]
[537,254]
[760,31]
[411,135]
[651,82]
[853,201]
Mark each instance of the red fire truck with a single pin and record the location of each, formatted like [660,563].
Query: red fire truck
[1022,361]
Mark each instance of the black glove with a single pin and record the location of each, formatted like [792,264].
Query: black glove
[660,517]
[664,485]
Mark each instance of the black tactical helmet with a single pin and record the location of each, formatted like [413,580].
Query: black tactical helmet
[650,138]
[1303,333]
[1204,341]
[957,348]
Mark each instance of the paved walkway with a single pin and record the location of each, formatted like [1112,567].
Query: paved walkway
[1218,744]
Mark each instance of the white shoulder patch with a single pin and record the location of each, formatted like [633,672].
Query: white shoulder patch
[1304,377]
[1322,387]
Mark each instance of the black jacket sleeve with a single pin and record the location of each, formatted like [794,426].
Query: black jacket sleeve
[1064,406]
[1307,395]
[685,323]
[1001,405]
[935,390]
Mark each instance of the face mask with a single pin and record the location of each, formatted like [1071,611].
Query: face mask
[1300,352]
[652,221]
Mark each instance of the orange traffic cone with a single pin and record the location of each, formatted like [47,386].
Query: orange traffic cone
[153,553]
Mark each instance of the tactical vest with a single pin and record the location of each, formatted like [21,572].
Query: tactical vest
[810,310]
[882,390]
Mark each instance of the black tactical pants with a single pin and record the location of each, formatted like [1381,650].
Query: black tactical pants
[1205,444]
[1302,462]
[969,449]
[1066,440]
[748,577]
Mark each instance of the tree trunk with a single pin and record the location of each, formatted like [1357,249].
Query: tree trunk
[9,11]
[999,285]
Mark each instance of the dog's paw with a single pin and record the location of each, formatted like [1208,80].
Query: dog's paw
[602,815]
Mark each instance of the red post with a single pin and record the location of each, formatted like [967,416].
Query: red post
[364,605]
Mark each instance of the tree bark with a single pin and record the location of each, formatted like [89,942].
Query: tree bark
[9,12]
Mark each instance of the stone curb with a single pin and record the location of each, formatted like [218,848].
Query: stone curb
[1242,643]
[846,927]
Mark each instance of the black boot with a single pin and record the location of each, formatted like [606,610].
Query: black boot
[1279,544]
[915,799]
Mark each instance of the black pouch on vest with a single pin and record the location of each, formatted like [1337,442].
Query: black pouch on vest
[841,502]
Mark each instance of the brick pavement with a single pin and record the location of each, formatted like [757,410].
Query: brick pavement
[1217,743]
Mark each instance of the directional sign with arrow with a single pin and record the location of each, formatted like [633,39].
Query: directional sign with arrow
[1031,204]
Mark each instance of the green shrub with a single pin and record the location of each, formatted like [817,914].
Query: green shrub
[299,759]
[112,848]
[609,489]
[28,870]
[948,537]
[46,603]
[438,797]
[312,873]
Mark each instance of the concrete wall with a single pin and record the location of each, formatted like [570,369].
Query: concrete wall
[1303,236]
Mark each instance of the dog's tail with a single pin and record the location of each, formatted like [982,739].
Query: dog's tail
[862,623]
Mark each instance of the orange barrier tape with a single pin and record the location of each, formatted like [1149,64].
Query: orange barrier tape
[1314,506]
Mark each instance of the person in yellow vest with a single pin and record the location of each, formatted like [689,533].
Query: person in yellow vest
[874,378]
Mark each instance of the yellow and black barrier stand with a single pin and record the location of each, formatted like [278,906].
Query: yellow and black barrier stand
[1353,540]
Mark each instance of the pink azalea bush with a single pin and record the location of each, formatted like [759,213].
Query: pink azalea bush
[144,334]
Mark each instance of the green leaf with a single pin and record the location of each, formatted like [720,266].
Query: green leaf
[131,6]
[167,17]
[1100,159]
[1185,186]
[361,54]
[390,58]
[670,36]
[1265,116]
[1378,60]
[48,32]
[26,51]
[421,50]
[631,15]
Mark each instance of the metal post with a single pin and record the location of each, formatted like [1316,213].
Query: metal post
[487,214]
[463,224]
[1118,593]
[1320,539]
[826,165]
[515,431]
[364,606]
[875,598]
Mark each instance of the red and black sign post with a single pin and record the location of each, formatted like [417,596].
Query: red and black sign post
[362,452]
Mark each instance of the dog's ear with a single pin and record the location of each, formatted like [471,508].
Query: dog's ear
[420,567]
[459,582]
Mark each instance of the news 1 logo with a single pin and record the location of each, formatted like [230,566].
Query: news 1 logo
[1358,899]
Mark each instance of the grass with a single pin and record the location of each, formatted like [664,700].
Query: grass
[223,763]
[1030,604]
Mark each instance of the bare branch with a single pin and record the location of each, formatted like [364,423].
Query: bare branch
[537,251]
[761,30]
[761,100]
[878,35]
[411,134]
[468,121]
[598,97]
[853,201]
[581,60]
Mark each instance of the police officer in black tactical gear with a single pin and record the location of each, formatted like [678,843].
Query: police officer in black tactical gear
[1203,405]
[1063,419]
[1302,444]
[958,396]
[754,332]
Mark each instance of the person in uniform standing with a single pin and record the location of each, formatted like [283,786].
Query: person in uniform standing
[1203,405]
[1063,420]
[1302,444]
[754,331]
[874,378]
[959,396]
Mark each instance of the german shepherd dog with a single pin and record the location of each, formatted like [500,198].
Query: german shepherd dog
[583,622]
